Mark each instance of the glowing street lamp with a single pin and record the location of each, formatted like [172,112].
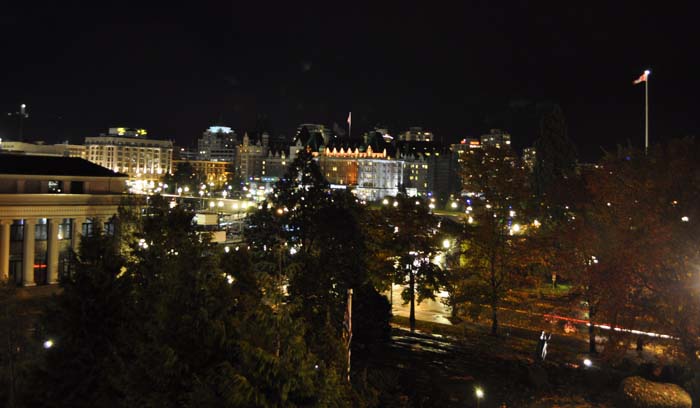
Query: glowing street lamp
[48,344]
[446,244]
[454,205]
[479,392]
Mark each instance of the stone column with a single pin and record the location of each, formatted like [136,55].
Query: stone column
[76,232]
[28,253]
[98,224]
[5,249]
[52,258]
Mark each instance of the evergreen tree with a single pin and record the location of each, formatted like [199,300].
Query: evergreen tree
[555,156]
[86,324]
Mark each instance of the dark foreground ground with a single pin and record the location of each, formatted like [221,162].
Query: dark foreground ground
[443,370]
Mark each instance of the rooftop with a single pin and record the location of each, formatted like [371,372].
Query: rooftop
[52,166]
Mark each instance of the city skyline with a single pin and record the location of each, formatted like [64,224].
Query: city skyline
[457,72]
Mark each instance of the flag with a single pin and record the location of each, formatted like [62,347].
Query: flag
[642,78]
[350,118]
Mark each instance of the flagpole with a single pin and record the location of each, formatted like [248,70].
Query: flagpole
[646,113]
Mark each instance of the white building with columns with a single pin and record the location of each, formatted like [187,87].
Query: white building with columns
[46,205]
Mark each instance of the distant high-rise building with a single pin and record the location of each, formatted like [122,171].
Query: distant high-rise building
[416,134]
[129,151]
[218,143]
[529,157]
[496,138]
[458,152]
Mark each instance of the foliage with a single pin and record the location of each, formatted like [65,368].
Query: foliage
[183,176]
[86,325]
[313,240]
[413,244]
[500,242]
[555,156]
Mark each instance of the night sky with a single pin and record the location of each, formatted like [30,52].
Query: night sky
[456,70]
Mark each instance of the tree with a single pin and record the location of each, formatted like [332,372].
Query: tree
[555,154]
[414,242]
[497,239]
[183,176]
[85,324]
[313,240]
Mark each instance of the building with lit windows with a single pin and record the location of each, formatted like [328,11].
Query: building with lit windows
[416,134]
[495,138]
[216,173]
[128,151]
[529,157]
[259,161]
[46,205]
[41,149]
[218,143]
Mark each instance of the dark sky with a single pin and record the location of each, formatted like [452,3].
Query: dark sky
[456,70]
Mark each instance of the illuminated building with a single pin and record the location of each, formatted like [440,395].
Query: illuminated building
[428,168]
[416,134]
[529,157]
[215,172]
[495,138]
[218,143]
[41,149]
[129,151]
[46,205]
[259,161]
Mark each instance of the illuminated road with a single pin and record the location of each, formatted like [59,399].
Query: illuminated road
[437,312]
[428,310]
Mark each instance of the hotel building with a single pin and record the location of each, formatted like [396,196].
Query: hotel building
[46,205]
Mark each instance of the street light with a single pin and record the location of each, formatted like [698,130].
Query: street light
[446,244]
[479,395]
[48,344]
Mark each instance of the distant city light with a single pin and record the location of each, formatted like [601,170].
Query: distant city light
[515,228]
[48,344]
[446,244]
[587,362]
[685,218]
[385,201]
[454,205]
[479,392]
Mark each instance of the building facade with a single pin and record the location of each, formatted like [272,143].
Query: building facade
[214,172]
[495,138]
[259,161]
[46,205]
[128,151]
[41,149]
[218,143]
